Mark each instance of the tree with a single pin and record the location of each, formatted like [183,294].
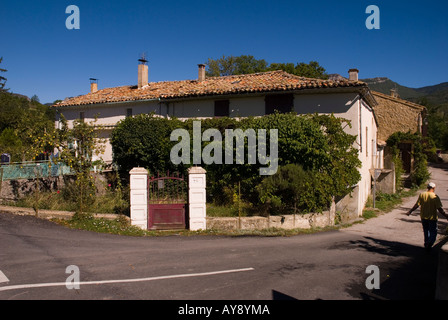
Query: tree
[35,99]
[437,123]
[231,65]
[309,70]
[30,121]
[246,64]
[10,143]
[2,79]
[77,148]
[144,140]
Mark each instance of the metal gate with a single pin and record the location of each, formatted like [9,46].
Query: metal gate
[167,199]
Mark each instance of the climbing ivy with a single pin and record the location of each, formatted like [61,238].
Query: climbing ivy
[420,174]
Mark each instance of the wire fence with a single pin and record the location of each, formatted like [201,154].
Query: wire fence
[32,170]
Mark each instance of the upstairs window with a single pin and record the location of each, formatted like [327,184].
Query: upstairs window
[222,108]
[282,103]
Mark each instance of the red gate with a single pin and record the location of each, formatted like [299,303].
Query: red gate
[167,198]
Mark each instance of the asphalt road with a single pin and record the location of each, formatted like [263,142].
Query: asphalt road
[35,254]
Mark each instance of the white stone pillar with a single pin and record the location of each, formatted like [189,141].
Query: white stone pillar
[139,197]
[197,198]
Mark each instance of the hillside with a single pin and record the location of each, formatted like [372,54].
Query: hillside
[384,85]
[436,95]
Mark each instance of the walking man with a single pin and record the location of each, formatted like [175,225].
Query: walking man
[430,203]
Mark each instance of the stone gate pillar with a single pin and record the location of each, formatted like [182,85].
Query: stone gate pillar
[139,197]
[197,198]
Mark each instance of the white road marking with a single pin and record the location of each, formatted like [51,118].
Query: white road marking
[3,278]
[187,275]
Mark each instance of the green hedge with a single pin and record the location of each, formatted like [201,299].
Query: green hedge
[316,143]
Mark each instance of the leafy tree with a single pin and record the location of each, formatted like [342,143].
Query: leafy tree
[77,147]
[144,140]
[10,143]
[309,70]
[35,99]
[438,129]
[30,121]
[246,64]
[231,65]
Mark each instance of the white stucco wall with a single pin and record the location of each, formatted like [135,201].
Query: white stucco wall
[363,126]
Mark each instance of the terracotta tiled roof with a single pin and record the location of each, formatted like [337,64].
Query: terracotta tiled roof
[273,81]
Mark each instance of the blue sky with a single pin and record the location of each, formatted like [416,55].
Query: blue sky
[44,58]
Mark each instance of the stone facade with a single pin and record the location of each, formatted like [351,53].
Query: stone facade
[394,114]
[298,221]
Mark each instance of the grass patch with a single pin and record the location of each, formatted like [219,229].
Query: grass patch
[385,202]
[221,211]
[370,213]
[109,202]
[232,210]
[120,225]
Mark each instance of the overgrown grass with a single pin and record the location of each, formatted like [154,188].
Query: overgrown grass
[370,213]
[121,226]
[385,202]
[118,226]
[221,211]
[228,211]
[109,202]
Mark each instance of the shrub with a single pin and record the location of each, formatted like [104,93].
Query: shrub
[316,143]
[294,190]
[421,147]
[144,141]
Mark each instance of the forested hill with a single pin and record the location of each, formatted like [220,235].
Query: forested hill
[434,95]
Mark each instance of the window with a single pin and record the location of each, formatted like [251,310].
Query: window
[81,116]
[128,112]
[282,103]
[222,108]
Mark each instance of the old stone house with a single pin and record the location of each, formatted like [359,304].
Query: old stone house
[239,96]
[395,114]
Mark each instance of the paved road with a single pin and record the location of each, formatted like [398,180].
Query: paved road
[34,255]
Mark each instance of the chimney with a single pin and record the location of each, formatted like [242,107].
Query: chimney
[393,93]
[93,85]
[201,72]
[142,73]
[353,74]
